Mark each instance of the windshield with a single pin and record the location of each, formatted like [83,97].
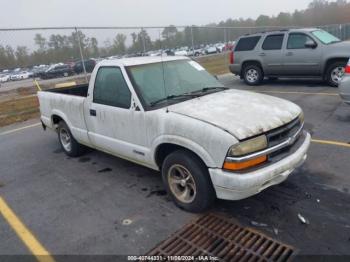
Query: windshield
[179,78]
[325,37]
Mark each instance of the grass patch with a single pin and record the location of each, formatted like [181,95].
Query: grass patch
[18,110]
[215,64]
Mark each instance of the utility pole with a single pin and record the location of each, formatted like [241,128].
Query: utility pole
[81,54]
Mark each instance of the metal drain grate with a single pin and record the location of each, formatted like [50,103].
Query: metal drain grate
[217,236]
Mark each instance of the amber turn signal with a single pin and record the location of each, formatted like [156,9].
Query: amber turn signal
[235,166]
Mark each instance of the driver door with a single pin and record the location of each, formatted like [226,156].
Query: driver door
[114,124]
[299,59]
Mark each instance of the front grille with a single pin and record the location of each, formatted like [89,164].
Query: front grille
[280,134]
[220,237]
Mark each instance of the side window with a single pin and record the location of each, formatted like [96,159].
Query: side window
[247,43]
[273,42]
[298,41]
[111,89]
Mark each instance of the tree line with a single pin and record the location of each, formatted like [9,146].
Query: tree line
[64,48]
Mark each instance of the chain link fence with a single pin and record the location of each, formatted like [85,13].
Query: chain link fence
[36,49]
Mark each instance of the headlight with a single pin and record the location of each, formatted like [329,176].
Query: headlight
[245,148]
[301,117]
[249,146]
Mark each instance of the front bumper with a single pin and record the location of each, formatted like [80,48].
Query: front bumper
[233,186]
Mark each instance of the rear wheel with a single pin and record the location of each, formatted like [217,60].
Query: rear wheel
[253,75]
[187,181]
[69,145]
[334,73]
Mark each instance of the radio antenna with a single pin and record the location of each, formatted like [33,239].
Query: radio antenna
[163,71]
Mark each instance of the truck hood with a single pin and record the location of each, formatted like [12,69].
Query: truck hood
[241,113]
[342,46]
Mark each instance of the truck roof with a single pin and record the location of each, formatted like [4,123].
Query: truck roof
[131,61]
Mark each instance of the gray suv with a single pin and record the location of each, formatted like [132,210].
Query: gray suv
[300,53]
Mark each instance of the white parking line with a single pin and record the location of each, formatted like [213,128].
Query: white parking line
[19,129]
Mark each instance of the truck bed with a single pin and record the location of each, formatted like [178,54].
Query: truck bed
[77,90]
[68,104]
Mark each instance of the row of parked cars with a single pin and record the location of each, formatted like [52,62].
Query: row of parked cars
[64,70]
[71,68]
[48,71]
[195,51]
[6,75]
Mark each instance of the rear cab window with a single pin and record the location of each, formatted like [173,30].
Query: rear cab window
[273,42]
[247,43]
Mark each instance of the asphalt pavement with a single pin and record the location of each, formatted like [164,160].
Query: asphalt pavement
[100,204]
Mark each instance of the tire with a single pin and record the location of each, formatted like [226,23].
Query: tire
[253,75]
[201,194]
[69,145]
[334,74]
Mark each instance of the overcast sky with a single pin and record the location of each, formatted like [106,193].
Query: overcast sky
[71,13]
[41,13]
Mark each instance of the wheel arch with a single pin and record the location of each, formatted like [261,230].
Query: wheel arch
[248,62]
[166,147]
[331,61]
[56,117]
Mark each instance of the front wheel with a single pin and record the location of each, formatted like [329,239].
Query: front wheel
[334,73]
[253,75]
[68,143]
[187,181]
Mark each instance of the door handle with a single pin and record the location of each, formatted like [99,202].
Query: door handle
[289,54]
[92,112]
[262,54]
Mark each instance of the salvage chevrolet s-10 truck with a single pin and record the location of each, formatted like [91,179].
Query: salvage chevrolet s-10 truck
[171,115]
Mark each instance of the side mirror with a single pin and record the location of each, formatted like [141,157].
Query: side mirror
[310,44]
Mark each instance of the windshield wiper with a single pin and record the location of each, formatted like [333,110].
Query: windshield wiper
[172,97]
[209,88]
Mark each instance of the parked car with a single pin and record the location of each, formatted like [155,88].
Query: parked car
[4,78]
[308,52]
[14,76]
[20,75]
[211,49]
[344,86]
[220,47]
[207,140]
[229,46]
[89,66]
[181,52]
[197,51]
[38,70]
[57,71]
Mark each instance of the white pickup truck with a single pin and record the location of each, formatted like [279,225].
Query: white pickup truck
[171,115]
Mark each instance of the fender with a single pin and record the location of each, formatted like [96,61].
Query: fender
[183,142]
